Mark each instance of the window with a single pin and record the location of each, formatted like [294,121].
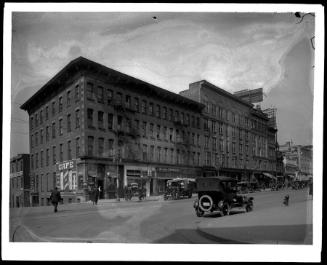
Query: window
[36,139]
[214,143]
[158,131]
[100,94]
[41,136]
[165,133]
[137,104]
[176,115]
[144,129]
[144,152]
[36,120]
[158,154]
[158,111]
[77,119]
[187,119]
[47,133]
[36,160]
[60,127]
[90,140]
[32,162]
[151,109]
[61,153]
[241,148]
[221,145]
[208,159]
[171,132]
[47,158]
[151,155]
[111,146]
[119,98]
[119,122]
[54,159]
[151,129]
[182,117]
[178,158]
[46,113]
[198,122]
[89,91]
[164,113]
[69,126]
[54,179]
[90,118]
[143,107]
[101,146]
[233,148]
[68,98]
[69,150]
[78,147]
[53,108]
[193,138]
[206,141]
[76,93]
[41,117]
[109,96]
[110,121]
[31,123]
[128,101]
[60,104]
[100,120]
[165,155]
[198,139]
[193,121]
[205,124]
[171,114]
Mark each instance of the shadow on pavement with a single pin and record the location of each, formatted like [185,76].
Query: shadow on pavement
[193,236]
[270,234]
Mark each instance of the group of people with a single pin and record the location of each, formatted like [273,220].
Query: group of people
[95,193]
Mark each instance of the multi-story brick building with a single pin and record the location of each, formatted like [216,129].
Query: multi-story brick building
[239,140]
[90,124]
[20,181]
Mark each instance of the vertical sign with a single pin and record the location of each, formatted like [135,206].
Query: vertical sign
[67,175]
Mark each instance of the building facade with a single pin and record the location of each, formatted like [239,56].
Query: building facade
[238,138]
[20,181]
[297,160]
[93,126]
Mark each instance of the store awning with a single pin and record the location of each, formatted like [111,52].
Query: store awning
[291,176]
[269,175]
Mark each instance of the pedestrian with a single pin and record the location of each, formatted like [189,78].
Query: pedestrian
[92,193]
[96,195]
[55,197]
[310,189]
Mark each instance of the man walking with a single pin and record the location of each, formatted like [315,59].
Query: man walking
[55,197]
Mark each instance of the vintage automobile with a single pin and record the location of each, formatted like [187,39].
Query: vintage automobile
[219,194]
[178,188]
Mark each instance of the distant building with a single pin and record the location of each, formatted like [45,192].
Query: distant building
[20,181]
[90,124]
[238,139]
[297,160]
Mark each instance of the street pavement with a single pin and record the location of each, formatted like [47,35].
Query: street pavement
[157,221]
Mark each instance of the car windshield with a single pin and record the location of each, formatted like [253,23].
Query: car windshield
[229,186]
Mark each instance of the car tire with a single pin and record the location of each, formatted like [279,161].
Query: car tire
[200,203]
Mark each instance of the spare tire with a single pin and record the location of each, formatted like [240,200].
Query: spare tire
[203,201]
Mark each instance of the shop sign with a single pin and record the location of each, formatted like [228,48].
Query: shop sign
[66,179]
[67,165]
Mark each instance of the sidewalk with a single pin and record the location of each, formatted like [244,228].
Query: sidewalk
[278,225]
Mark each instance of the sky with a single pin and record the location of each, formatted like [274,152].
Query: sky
[232,50]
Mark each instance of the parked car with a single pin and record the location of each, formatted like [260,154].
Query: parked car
[178,188]
[219,194]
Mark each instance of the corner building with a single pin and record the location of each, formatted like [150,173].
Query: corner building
[238,139]
[93,126]
[20,181]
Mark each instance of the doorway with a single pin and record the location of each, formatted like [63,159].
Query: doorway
[100,184]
